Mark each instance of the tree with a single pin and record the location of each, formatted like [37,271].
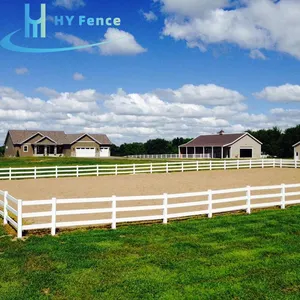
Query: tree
[158,146]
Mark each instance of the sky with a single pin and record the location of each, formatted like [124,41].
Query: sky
[171,69]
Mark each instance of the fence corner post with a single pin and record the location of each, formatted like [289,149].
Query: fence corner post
[210,214]
[248,204]
[165,212]
[114,212]
[5,214]
[19,217]
[283,196]
[53,217]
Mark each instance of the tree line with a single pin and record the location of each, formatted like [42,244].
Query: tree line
[276,143]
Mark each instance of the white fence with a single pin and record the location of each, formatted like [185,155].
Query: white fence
[166,156]
[204,203]
[160,167]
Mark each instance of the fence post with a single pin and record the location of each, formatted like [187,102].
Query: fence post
[182,167]
[133,169]
[56,172]
[210,165]
[165,213]
[283,196]
[34,172]
[19,217]
[210,204]
[151,168]
[9,174]
[197,165]
[5,214]
[250,164]
[274,163]
[77,171]
[116,169]
[295,164]
[238,164]
[114,212]
[167,167]
[53,217]
[248,210]
[281,163]
[225,166]
[97,170]
[262,163]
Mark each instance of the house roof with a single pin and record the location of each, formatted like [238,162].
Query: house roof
[21,136]
[296,144]
[99,138]
[220,140]
[59,137]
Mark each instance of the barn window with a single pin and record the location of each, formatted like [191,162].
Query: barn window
[25,148]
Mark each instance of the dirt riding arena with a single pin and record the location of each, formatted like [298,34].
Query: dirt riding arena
[144,184]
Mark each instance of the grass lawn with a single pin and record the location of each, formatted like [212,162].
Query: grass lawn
[227,257]
[20,162]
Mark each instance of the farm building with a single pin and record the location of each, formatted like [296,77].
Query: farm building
[240,145]
[297,151]
[56,143]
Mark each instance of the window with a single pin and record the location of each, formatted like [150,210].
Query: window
[25,148]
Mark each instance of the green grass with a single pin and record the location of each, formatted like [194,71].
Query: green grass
[23,162]
[227,257]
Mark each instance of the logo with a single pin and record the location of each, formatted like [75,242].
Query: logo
[41,21]
[35,29]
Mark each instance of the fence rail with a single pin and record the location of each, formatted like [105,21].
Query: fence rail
[166,156]
[159,167]
[203,203]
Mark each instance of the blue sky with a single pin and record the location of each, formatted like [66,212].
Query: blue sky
[181,68]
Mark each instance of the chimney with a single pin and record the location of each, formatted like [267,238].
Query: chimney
[221,132]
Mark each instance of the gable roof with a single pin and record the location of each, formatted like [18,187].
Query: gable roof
[217,140]
[296,144]
[98,138]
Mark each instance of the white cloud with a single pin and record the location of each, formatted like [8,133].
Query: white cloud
[127,117]
[69,4]
[257,24]
[78,76]
[256,54]
[74,41]
[117,42]
[283,93]
[21,71]
[120,43]
[150,16]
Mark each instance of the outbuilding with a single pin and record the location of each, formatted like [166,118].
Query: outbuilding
[297,151]
[238,145]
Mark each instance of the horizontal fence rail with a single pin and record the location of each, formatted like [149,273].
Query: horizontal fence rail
[166,156]
[154,207]
[159,167]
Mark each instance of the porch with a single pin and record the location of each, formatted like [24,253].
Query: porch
[47,150]
[205,152]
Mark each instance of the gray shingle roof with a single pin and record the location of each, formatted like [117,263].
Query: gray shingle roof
[60,137]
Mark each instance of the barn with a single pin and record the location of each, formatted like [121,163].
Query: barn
[221,145]
[297,151]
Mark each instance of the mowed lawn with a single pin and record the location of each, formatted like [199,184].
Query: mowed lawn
[227,257]
[23,162]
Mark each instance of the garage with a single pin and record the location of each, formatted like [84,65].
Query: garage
[245,153]
[104,152]
[85,152]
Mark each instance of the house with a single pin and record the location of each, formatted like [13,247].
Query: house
[240,145]
[56,143]
[297,151]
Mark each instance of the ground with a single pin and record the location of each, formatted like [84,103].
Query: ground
[228,257]
[143,184]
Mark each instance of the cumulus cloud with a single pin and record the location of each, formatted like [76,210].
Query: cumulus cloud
[283,93]
[187,111]
[74,41]
[252,25]
[78,76]
[21,71]
[120,43]
[69,4]
[150,16]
